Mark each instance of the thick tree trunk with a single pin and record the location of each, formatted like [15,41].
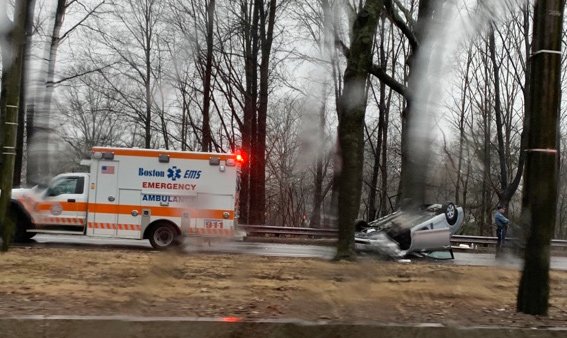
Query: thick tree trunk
[352,108]
[414,161]
[539,203]
[12,63]
[250,27]
[258,170]
[206,141]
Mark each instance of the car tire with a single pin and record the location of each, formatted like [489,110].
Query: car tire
[360,225]
[451,213]
[163,236]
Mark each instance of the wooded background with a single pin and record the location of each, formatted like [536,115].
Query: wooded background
[267,77]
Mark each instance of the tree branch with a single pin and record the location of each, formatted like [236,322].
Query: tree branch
[74,76]
[80,21]
[388,80]
[400,23]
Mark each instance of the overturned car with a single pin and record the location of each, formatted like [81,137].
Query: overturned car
[418,231]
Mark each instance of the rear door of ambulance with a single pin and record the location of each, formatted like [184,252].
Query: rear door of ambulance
[216,197]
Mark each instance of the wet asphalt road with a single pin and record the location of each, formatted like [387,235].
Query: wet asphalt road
[272,249]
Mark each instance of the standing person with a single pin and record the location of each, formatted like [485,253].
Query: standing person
[501,228]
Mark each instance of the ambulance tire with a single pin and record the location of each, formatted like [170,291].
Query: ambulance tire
[21,222]
[163,235]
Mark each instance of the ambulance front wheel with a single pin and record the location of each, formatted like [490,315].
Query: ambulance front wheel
[163,236]
[21,223]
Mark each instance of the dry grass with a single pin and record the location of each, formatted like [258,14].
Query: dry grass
[68,281]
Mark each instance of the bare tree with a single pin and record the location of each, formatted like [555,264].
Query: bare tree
[13,46]
[39,112]
[90,116]
[287,188]
[206,140]
[18,165]
[132,40]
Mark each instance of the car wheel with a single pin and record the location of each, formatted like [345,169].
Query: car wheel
[451,213]
[163,236]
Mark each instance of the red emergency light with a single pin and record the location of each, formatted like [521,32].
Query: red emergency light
[239,156]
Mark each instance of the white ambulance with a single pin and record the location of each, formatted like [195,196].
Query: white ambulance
[158,195]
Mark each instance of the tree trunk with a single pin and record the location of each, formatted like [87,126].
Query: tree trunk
[206,140]
[250,28]
[352,108]
[462,138]
[148,97]
[39,170]
[148,32]
[539,202]
[508,186]
[315,219]
[498,111]
[258,170]
[414,161]
[18,166]
[486,210]
[378,150]
[12,63]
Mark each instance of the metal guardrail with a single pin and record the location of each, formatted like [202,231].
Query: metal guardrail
[290,231]
[264,230]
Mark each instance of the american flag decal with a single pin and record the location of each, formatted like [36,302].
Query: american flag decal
[107,169]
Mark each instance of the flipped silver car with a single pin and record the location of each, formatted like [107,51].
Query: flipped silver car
[421,231]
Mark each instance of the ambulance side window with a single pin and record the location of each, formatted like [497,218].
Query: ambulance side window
[67,185]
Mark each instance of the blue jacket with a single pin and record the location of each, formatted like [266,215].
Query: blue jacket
[500,219]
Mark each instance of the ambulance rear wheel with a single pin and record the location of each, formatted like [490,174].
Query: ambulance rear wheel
[163,236]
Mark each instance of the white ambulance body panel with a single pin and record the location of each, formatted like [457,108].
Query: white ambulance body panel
[196,192]
[140,193]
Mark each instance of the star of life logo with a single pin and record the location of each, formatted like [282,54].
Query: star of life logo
[174,173]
